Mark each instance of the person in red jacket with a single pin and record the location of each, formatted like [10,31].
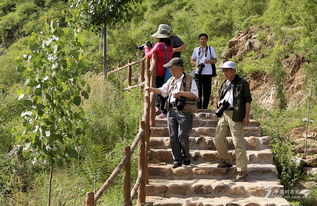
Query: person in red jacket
[163,49]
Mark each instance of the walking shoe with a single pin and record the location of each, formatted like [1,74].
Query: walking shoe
[223,164]
[186,162]
[241,175]
[177,164]
[162,116]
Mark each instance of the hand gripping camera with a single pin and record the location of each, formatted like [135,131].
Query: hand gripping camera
[225,105]
[147,43]
[200,68]
[179,103]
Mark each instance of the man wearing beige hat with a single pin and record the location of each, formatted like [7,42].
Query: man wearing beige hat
[234,111]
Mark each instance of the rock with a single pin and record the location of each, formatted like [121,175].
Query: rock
[307,185]
[299,161]
[221,188]
[310,170]
[257,191]
[202,189]
[311,161]
[253,142]
[237,190]
[182,171]
[176,189]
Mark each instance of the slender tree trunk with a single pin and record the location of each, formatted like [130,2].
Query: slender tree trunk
[50,185]
[105,49]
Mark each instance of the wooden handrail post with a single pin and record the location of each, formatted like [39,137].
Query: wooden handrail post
[142,72]
[153,84]
[141,191]
[89,201]
[127,178]
[129,73]
[146,116]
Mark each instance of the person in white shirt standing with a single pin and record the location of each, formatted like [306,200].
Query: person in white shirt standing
[203,57]
[182,93]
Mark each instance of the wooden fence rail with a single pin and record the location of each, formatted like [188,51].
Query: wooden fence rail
[147,78]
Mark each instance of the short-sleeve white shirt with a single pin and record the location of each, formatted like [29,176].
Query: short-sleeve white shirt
[176,88]
[199,55]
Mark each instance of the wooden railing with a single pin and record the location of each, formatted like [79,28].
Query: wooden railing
[147,78]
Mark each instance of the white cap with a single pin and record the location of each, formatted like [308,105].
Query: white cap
[229,65]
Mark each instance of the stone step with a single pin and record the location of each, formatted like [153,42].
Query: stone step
[204,131]
[207,143]
[218,201]
[213,188]
[200,123]
[208,114]
[201,156]
[208,171]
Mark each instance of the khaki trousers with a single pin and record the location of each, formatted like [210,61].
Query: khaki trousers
[225,124]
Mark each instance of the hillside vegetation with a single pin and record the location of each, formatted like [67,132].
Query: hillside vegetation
[284,30]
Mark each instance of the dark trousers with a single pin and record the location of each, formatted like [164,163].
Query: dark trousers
[204,90]
[160,100]
[179,126]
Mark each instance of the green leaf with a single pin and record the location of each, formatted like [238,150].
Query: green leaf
[85,94]
[77,100]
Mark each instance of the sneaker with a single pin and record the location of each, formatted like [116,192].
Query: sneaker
[241,175]
[177,164]
[223,164]
[162,116]
[186,162]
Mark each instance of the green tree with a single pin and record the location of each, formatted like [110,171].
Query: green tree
[53,120]
[98,15]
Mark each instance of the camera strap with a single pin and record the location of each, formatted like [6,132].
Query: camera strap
[227,89]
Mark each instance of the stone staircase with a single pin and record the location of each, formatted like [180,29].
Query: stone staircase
[202,183]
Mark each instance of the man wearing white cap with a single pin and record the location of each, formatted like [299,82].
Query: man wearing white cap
[234,110]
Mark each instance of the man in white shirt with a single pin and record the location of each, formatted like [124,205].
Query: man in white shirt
[182,93]
[203,57]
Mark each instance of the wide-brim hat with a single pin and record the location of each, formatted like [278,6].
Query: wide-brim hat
[162,32]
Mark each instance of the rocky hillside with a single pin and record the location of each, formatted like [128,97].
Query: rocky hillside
[261,81]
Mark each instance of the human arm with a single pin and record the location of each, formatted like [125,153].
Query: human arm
[180,49]
[150,51]
[246,119]
[154,90]
[248,100]
[194,58]
[192,94]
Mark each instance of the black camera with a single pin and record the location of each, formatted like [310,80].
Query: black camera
[179,103]
[225,105]
[147,43]
[200,68]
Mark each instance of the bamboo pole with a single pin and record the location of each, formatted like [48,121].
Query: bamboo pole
[141,191]
[127,178]
[90,201]
[129,73]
